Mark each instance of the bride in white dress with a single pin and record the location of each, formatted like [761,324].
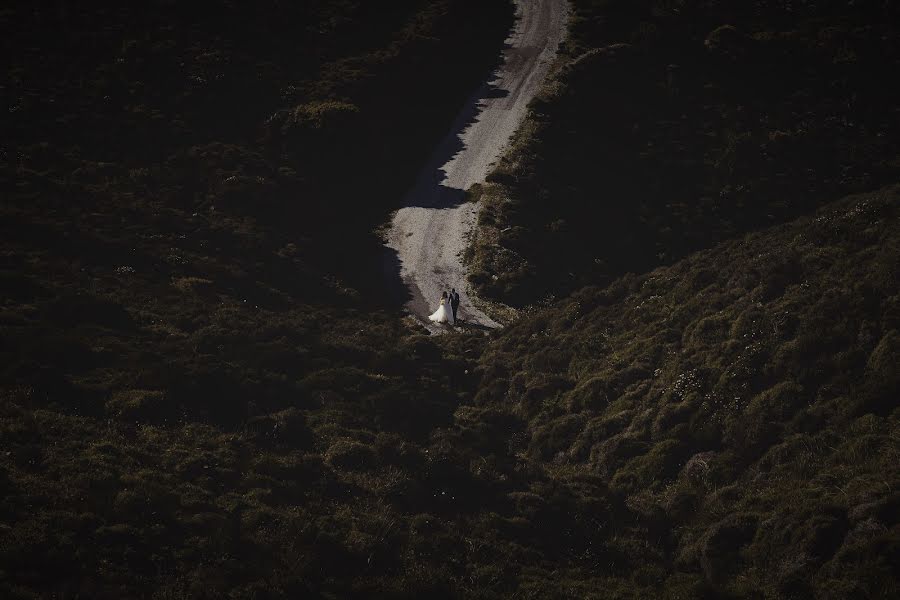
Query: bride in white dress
[443,314]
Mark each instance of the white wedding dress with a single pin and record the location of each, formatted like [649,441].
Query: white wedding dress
[442,314]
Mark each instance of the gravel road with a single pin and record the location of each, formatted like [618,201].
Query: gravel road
[431,231]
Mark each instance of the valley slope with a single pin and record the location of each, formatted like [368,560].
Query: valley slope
[672,126]
[207,388]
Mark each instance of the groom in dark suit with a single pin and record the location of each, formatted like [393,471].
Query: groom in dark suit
[454,302]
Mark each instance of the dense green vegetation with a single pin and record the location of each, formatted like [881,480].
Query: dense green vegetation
[207,391]
[727,425]
[190,354]
[671,126]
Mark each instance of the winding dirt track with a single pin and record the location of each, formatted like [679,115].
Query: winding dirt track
[430,232]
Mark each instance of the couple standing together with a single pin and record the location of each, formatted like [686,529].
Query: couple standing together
[445,313]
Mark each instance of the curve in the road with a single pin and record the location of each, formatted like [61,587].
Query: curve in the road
[430,232]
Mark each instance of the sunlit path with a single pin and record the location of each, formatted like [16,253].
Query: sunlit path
[430,232]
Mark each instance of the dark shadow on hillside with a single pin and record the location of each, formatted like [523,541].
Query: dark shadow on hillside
[429,190]
[395,292]
[467,325]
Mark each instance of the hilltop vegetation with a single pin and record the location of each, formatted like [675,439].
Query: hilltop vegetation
[190,353]
[726,426]
[207,391]
[672,126]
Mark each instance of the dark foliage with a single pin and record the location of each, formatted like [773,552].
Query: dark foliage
[740,406]
[672,126]
[202,395]
[195,369]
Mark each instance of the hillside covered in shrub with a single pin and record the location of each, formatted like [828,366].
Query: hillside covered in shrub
[672,126]
[195,330]
[724,427]
[208,388]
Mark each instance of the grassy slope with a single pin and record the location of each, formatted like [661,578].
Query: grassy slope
[723,426]
[198,398]
[671,126]
[194,369]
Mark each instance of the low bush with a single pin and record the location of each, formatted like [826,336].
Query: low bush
[740,436]
[670,127]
